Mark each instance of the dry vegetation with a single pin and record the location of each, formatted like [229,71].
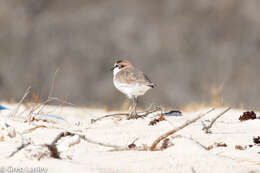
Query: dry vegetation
[60,146]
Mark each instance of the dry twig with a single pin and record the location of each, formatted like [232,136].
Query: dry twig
[40,106]
[19,148]
[207,128]
[32,129]
[142,114]
[154,144]
[53,82]
[147,112]
[28,90]
[109,115]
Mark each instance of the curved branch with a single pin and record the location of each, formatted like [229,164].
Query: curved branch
[158,140]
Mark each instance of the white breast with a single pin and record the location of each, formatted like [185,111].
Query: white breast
[131,89]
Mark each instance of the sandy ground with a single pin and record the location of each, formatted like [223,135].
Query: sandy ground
[187,153]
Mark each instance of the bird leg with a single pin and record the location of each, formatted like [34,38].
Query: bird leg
[135,104]
[130,109]
[133,113]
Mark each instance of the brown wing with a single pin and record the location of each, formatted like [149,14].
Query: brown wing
[150,83]
[133,75]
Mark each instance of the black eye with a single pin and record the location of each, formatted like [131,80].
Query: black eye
[121,66]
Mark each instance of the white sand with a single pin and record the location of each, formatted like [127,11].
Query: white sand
[185,156]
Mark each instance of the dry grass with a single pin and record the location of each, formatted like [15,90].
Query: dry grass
[216,100]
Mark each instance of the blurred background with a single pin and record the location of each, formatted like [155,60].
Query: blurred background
[192,49]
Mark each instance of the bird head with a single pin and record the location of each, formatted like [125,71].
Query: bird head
[119,65]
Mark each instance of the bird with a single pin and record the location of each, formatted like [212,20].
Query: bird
[132,82]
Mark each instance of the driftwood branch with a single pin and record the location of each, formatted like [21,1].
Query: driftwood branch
[53,146]
[207,128]
[19,149]
[55,153]
[63,134]
[24,144]
[154,144]
[100,143]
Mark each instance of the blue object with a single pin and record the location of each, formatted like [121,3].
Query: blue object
[3,108]
[51,116]
[47,115]
[54,116]
[173,113]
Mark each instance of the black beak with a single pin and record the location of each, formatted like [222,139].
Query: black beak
[112,68]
